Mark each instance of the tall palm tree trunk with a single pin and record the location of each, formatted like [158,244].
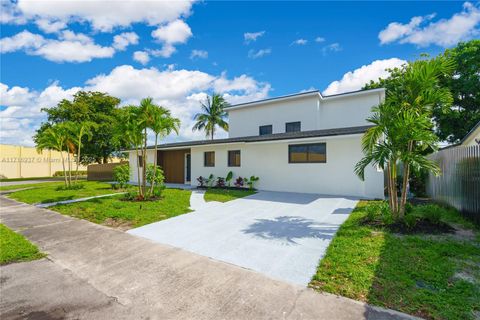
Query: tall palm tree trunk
[78,160]
[144,158]
[154,165]
[63,165]
[138,173]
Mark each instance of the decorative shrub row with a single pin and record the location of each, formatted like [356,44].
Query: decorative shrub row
[221,182]
[80,173]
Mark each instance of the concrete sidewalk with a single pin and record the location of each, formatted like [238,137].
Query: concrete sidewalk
[94,272]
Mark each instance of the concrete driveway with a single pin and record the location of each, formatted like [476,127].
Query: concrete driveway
[282,235]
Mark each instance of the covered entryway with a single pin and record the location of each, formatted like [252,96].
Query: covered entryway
[175,164]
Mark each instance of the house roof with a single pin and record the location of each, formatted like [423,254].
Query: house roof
[302,95]
[470,133]
[268,137]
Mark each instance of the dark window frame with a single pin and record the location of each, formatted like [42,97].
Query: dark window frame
[239,158]
[205,159]
[308,145]
[299,123]
[265,126]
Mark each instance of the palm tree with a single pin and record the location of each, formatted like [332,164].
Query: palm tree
[161,122]
[403,129]
[78,130]
[130,131]
[213,115]
[53,138]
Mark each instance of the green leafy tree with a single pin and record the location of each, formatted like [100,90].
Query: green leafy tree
[96,107]
[54,138]
[403,129]
[213,115]
[453,123]
[464,84]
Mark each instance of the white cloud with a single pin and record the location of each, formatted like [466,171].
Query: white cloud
[21,41]
[319,39]
[22,115]
[123,40]
[49,26]
[175,32]
[103,16]
[69,47]
[423,32]
[178,90]
[300,42]
[252,36]
[141,56]
[202,54]
[334,47]
[254,54]
[356,79]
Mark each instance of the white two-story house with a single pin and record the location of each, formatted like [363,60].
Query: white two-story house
[305,142]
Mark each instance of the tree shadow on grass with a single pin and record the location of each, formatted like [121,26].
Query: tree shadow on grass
[289,228]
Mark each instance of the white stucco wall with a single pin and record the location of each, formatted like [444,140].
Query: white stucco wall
[132,158]
[269,161]
[313,112]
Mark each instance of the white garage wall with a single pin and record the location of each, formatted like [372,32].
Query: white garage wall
[269,161]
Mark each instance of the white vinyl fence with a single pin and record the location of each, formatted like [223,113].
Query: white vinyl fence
[459,183]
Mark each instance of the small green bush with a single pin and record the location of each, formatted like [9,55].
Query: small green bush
[154,176]
[76,186]
[430,212]
[80,173]
[130,195]
[121,175]
[410,221]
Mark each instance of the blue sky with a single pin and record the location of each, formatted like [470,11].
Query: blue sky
[179,52]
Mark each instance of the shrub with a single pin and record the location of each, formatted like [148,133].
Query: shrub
[220,182]
[76,186]
[153,176]
[121,175]
[158,191]
[80,173]
[130,195]
[239,182]
[379,211]
[431,213]
[210,180]
[202,181]
[229,178]
[410,221]
[252,181]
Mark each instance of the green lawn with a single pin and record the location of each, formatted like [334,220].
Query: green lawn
[224,195]
[47,192]
[431,276]
[24,179]
[36,185]
[115,212]
[15,248]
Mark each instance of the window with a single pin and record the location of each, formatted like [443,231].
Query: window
[209,159]
[234,158]
[307,153]
[293,126]
[265,129]
[140,161]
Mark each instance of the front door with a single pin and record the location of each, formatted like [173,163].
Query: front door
[188,167]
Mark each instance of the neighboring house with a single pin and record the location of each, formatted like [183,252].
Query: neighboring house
[304,142]
[473,137]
